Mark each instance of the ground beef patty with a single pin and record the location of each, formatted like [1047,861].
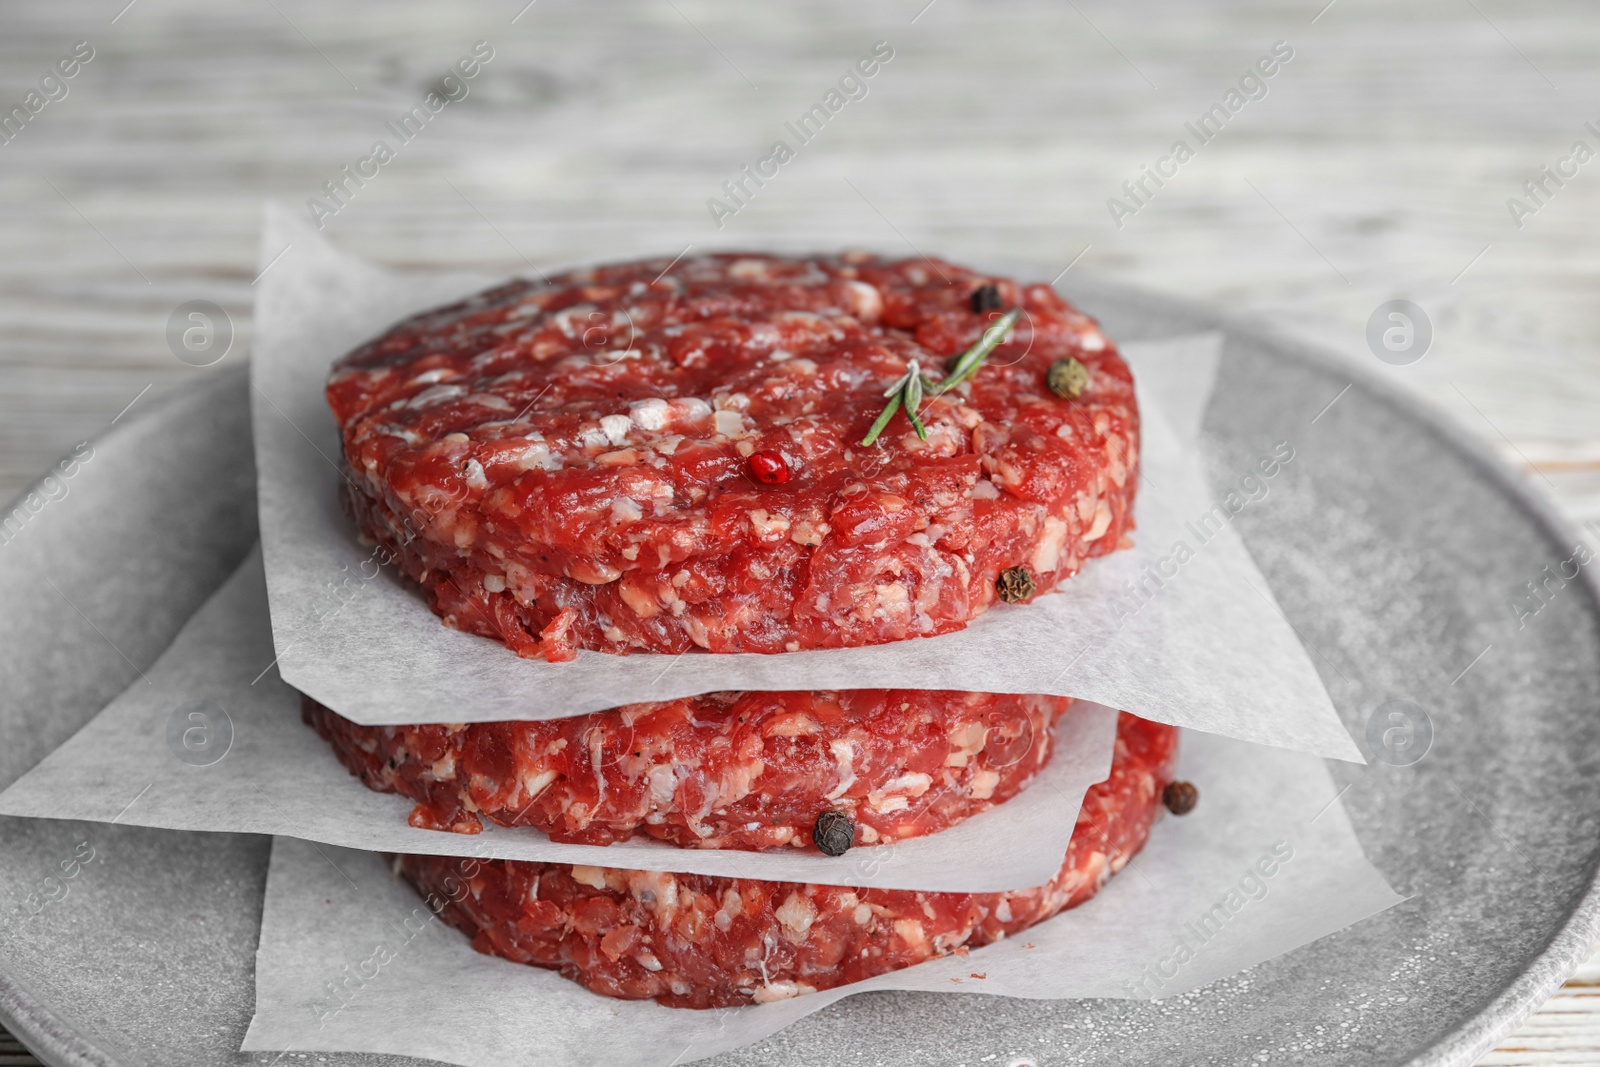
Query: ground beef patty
[726,770]
[695,941]
[637,458]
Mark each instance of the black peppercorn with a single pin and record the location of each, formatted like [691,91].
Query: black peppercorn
[833,833]
[1067,378]
[1014,585]
[1180,797]
[985,298]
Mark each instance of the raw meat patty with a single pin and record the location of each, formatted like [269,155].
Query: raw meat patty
[727,770]
[695,941]
[634,458]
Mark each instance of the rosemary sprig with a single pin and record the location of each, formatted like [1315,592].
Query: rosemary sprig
[908,391]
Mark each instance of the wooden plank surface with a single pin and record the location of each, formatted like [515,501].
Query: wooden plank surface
[1378,164]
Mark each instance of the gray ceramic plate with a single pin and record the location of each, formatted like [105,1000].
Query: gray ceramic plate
[1397,547]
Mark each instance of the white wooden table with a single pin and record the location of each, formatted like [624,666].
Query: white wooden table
[1378,164]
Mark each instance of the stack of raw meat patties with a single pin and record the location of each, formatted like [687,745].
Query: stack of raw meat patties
[755,454]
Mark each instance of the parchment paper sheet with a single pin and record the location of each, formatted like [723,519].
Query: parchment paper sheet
[1191,908]
[276,776]
[1206,648]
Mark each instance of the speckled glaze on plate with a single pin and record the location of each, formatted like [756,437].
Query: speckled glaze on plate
[1397,545]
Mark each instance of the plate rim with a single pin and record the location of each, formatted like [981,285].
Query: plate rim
[1576,935]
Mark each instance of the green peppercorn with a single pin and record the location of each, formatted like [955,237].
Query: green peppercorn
[1014,585]
[833,833]
[1067,378]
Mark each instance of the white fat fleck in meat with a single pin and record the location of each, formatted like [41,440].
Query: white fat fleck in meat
[910,931]
[771,991]
[625,509]
[494,583]
[649,414]
[436,394]
[490,401]
[768,527]
[668,445]
[573,320]
[1102,520]
[1047,553]
[732,905]
[728,423]
[806,532]
[914,784]
[748,270]
[669,595]
[405,433]
[474,476]
[639,599]
[656,890]
[984,489]
[593,877]
[893,794]
[615,427]
[966,741]
[428,377]
[983,783]
[690,408]
[444,768]
[663,780]
[532,787]
[536,456]
[741,781]
[1115,467]
[597,741]
[866,303]
[794,724]
[1092,341]
[796,914]
[1002,910]
[844,754]
[891,601]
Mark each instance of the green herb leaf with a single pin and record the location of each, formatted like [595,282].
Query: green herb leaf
[908,391]
[882,421]
[973,357]
[913,399]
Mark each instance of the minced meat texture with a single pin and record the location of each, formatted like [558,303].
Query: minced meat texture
[745,770]
[569,466]
[696,941]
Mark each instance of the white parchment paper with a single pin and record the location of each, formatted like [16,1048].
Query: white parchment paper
[249,764]
[1187,635]
[1193,907]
